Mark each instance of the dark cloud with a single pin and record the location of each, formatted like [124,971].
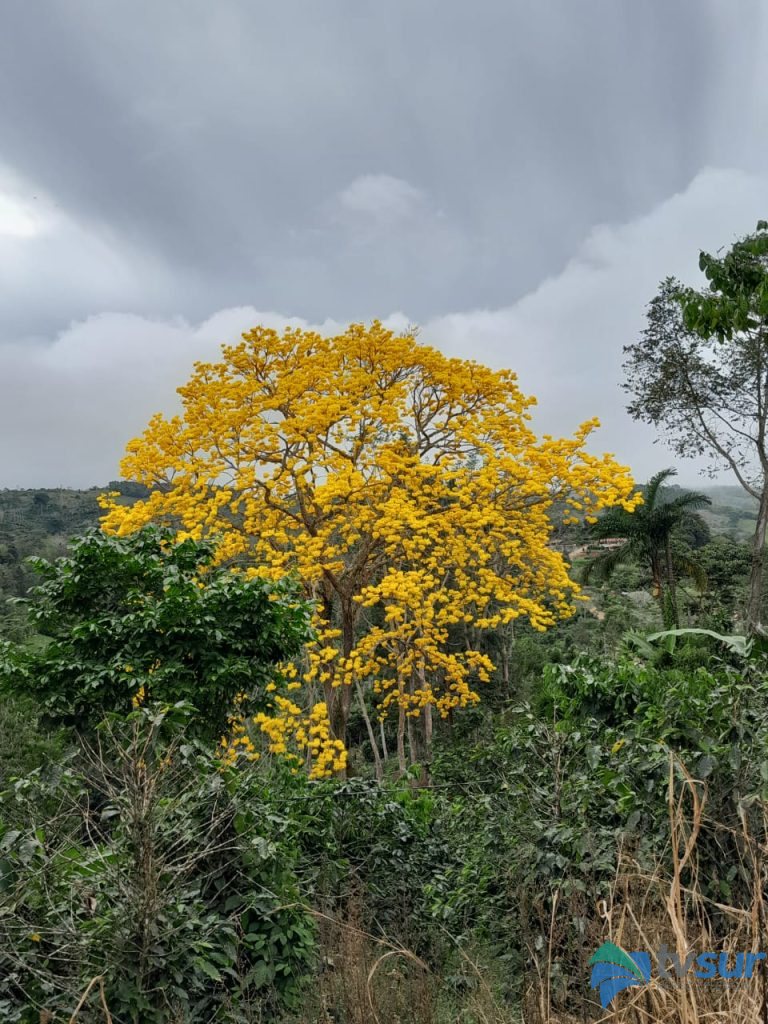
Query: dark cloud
[213,135]
[350,160]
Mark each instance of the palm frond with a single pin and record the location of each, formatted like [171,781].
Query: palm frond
[691,500]
[684,565]
[613,523]
[603,566]
[654,486]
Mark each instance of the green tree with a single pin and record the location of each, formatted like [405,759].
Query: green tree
[141,618]
[649,534]
[726,563]
[699,373]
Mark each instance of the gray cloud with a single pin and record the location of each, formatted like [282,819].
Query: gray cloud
[73,402]
[453,162]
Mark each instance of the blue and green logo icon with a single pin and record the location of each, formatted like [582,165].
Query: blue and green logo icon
[614,970]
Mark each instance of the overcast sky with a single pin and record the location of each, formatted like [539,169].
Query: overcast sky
[515,176]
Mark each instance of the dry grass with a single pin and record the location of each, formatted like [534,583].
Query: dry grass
[371,980]
[647,909]
[368,980]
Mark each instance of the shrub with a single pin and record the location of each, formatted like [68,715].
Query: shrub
[159,873]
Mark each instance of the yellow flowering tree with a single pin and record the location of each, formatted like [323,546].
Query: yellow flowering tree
[406,489]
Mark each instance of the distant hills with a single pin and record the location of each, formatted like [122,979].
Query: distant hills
[40,521]
[732,512]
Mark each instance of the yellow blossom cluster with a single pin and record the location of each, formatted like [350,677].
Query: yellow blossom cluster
[237,742]
[292,733]
[405,488]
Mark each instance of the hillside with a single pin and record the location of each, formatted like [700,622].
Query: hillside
[40,521]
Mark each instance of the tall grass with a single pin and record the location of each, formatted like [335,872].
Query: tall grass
[667,905]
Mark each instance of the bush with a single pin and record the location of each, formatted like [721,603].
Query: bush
[160,873]
[149,617]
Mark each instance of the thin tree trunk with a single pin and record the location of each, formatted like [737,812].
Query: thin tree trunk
[340,697]
[754,616]
[413,753]
[402,767]
[427,745]
[413,740]
[371,735]
[422,754]
[673,613]
[401,764]
[384,751]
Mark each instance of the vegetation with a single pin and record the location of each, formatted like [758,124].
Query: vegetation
[651,538]
[405,489]
[699,374]
[348,715]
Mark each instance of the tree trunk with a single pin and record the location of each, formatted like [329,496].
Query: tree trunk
[425,767]
[371,735]
[402,767]
[413,750]
[340,697]
[401,763]
[673,613]
[384,751]
[414,747]
[505,664]
[754,616]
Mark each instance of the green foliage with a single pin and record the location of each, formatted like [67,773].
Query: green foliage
[24,744]
[148,615]
[737,297]
[655,536]
[160,871]
[708,396]
[37,523]
[726,564]
[213,895]
[358,840]
[542,809]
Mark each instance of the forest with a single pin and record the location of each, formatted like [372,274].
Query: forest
[353,700]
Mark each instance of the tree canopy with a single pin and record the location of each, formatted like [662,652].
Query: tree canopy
[699,373]
[146,617]
[649,533]
[405,488]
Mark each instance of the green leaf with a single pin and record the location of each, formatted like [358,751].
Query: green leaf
[208,969]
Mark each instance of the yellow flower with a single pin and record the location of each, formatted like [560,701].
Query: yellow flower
[424,494]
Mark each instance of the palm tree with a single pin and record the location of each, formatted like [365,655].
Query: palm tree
[649,534]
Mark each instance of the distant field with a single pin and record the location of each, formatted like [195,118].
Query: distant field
[732,511]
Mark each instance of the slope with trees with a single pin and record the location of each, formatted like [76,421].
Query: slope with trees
[184,839]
